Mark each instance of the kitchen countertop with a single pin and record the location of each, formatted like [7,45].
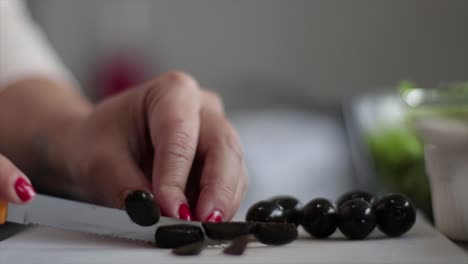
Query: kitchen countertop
[422,244]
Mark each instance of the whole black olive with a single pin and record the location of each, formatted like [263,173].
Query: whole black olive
[266,211]
[291,206]
[357,194]
[174,236]
[275,233]
[356,219]
[141,208]
[226,230]
[395,214]
[319,218]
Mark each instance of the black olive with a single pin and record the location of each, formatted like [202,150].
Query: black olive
[190,249]
[395,214]
[319,218]
[291,206]
[266,211]
[237,246]
[275,233]
[142,209]
[226,230]
[174,236]
[356,219]
[358,194]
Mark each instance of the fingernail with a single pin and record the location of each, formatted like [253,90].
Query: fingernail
[142,208]
[215,216]
[24,189]
[184,212]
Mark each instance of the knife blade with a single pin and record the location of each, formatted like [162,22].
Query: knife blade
[82,217]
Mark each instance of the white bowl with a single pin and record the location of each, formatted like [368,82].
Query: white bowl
[446,155]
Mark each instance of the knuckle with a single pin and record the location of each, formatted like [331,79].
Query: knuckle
[181,146]
[182,79]
[226,192]
[214,100]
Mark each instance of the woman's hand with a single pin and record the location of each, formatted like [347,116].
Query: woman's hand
[15,187]
[167,137]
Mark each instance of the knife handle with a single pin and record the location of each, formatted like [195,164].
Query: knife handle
[3,211]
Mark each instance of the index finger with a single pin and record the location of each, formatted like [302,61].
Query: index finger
[174,122]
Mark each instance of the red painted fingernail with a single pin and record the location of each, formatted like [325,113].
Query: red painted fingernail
[184,212]
[215,216]
[24,189]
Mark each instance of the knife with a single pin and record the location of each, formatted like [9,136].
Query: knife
[77,216]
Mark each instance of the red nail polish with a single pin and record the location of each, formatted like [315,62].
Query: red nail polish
[184,212]
[24,189]
[215,216]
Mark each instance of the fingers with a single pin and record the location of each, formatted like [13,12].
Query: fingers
[173,109]
[15,187]
[224,179]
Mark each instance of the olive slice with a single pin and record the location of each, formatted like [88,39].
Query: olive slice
[190,249]
[226,230]
[174,236]
[237,246]
[265,211]
[356,219]
[275,233]
[395,214]
[141,208]
[292,208]
[357,194]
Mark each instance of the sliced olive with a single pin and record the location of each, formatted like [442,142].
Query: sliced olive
[174,236]
[356,219]
[237,246]
[266,211]
[142,209]
[358,194]
[275,233]
[395,214]
[292,208]
[320,218]
[226,230]
[190,249]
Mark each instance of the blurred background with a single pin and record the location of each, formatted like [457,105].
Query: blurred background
[290,72]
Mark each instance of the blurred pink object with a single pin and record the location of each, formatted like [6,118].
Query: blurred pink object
[119,71]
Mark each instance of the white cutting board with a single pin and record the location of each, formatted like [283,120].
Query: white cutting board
[423,244]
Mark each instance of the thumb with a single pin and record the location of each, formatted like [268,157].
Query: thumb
[15,187]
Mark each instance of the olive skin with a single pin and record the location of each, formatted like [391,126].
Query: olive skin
[356,219]
[275,234]
[226,230]
[357,194]
[265,211]
[141,208]
[174,236]
[292,208]
[395,214]
[319,218]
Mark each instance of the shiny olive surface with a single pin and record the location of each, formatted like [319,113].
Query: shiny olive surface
[266,211]
[141,208]
[292,208]
[275,234]
[174,236]
[395,214]
[320,218]
[356,219]
[357,194]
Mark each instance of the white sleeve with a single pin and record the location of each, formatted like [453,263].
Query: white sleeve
[24,50]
